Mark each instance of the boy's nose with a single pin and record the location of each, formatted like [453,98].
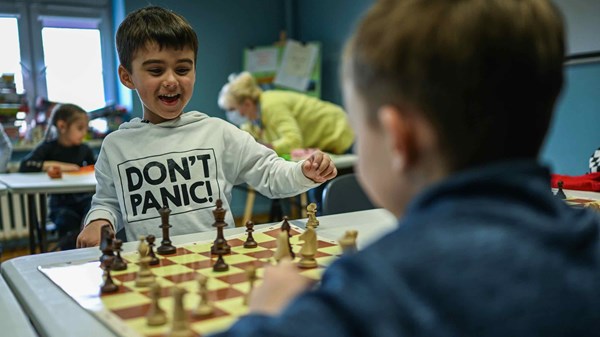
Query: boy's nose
[169,81]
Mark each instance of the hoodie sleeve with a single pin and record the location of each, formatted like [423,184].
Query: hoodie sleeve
[261,168]
[105,204]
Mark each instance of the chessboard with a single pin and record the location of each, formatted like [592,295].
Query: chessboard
[583,203]
[125,310]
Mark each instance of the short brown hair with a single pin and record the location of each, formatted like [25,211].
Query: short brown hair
[485,73]
[153,24]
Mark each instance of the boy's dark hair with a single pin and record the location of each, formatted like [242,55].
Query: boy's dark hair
[485,73]
[63,112]
[153,24]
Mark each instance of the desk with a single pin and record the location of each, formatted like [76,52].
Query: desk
[54,314]
[31,184]
[13,320]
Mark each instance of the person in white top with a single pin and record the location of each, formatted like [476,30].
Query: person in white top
[185,161]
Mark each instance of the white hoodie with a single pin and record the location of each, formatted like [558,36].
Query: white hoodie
[186,164]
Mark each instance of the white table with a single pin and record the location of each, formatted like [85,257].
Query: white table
[13,320]
[32,184]
[55,314]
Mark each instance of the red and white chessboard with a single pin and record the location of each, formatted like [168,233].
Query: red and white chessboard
[125,311]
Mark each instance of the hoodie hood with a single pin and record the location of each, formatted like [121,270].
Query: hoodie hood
[183,119]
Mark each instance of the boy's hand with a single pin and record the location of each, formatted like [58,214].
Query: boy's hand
[319,167]
[90,235]
[280,285]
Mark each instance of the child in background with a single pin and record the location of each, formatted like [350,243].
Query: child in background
[185,161]
[63,148]
[451,101]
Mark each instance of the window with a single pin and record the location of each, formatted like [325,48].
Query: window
[60,52]
[10,57]
[74,74]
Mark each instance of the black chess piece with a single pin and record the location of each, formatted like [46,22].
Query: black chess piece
[560,193]
[165,247]
[250,242]
[220,264]
[153,259]
[109,285]
[220,224]
[106,242]
[118,262]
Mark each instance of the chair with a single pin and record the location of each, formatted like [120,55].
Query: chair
[344,194]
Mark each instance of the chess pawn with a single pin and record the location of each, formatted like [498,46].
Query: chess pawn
[311,211]
[144,275]
[180,325]
[250,242]
[153,259]
[205,306]
[560,193]
[156,315]
[118,263]
[348,242]
[309,248]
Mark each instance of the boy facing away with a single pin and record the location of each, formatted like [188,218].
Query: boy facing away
[184,161]
[451,101]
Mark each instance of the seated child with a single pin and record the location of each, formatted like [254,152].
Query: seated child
[451,101]
[63,149]
[185,161]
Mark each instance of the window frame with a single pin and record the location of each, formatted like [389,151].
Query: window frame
[30,16]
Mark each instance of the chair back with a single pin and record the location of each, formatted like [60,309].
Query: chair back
[344,194]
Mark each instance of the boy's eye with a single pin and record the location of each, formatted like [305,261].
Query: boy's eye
[155,71]
[183,71]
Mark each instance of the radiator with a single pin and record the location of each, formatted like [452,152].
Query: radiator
[14,216]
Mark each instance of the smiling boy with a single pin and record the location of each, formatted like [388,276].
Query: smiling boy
[185,161]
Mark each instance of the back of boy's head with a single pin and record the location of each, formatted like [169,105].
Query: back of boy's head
[485,73]
[153,25]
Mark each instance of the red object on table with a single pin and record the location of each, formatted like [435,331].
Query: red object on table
[586,182]
[55,172]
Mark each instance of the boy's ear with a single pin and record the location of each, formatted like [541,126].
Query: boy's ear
[125,78]
[398,127]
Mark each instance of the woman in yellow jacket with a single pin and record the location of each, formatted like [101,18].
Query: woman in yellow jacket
[286,120]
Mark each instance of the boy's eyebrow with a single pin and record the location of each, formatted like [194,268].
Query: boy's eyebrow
[154,61]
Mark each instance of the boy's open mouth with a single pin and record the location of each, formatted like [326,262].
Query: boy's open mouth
[169,98]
